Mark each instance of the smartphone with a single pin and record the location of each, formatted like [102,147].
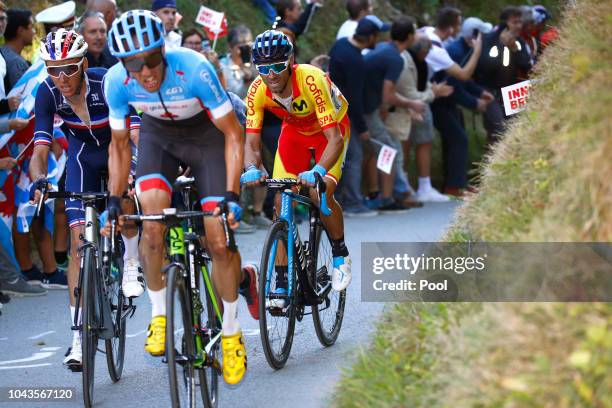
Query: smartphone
[475,33]
[245,53]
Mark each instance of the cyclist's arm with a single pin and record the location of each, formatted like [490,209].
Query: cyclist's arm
[119,160]
[333,149]
[252,150]
[234,149]
[119,151]
[44,109]
[38,162]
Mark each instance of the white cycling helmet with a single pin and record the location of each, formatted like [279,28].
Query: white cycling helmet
[62,45]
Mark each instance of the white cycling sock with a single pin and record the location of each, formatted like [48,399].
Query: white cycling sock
[230,322]
[72,312]
[158,302]
[131,247]
[424,184]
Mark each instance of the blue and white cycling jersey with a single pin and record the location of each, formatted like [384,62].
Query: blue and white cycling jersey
[190,86]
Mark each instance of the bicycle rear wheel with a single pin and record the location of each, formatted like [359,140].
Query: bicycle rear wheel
[180,343]
[212,367]
[89,315]
[276,325]
[112,273]
[328,315]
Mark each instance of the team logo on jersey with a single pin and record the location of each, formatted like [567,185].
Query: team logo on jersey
[251,96]
[174,90]
[95,97]
[316,93]
[299,107]
[206,77]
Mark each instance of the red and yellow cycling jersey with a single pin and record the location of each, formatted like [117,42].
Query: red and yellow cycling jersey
[316,103]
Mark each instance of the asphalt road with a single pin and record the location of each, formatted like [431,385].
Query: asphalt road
[34,334]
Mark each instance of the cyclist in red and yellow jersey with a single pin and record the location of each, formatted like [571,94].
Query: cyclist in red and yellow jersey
[315,126]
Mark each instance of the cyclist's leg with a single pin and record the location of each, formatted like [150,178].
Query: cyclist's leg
[208,167]
[133,284]
[156,166]
[292,157]
[82,174]
[334,223]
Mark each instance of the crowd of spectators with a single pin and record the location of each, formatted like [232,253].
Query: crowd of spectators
[401,82]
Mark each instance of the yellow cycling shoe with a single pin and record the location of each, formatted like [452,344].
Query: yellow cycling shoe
[234,358]
[156,336]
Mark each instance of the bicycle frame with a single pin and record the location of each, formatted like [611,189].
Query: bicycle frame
[178,255]
[294,244]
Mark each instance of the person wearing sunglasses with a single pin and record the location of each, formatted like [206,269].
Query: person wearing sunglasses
[75,94]
[187,118]
[315,125]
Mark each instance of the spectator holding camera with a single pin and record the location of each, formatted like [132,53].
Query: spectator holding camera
[236,65]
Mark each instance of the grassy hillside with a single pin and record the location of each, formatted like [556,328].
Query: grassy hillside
[548,180]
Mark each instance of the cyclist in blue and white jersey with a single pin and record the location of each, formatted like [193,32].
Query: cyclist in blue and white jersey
[75,93]
[187,118]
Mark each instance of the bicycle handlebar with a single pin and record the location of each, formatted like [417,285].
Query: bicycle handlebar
[320,186]
[85,196]
[171,216]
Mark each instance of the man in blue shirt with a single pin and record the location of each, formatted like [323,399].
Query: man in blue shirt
[347,71]
[447,116]
[384,66]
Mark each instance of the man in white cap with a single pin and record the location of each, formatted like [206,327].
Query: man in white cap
[60,16]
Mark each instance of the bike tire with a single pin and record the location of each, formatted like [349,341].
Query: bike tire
[89,315]
[276,356]
[327,316]
[115,347]
[210,390]
[181,370]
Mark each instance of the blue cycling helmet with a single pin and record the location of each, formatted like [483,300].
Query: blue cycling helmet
[127,35]
[271,46]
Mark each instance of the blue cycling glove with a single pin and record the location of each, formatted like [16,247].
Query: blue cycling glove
[251,175]
[309,176]
[233,204]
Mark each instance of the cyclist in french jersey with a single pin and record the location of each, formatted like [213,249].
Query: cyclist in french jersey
[74,93]
[315,126]
[187,118]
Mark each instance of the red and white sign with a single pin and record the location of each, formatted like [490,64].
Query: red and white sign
[515,97]
[211,19]
[219,32]
[385,158]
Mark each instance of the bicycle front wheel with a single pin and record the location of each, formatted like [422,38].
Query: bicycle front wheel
[112,274]
[210,388]
[328,315]
[276,320]
[89,297]
[180,344]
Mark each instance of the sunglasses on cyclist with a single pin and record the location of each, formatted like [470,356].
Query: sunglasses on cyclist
[278,68]
[136,64]
[68,69]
